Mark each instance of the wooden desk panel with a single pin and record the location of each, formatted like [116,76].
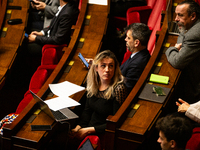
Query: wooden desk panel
[18,14]
[97,22]
[142,118]
[22,3]
[33,139]
[7,55]
[14,35]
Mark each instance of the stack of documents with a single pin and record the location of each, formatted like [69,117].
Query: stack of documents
[63,91]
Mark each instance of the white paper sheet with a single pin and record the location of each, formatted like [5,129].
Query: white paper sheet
[63,90]
[60,103]
[98,2]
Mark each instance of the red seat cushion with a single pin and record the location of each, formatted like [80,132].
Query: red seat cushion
[93,139]
[38,79]
[24,102]
[49,57]
[194,141]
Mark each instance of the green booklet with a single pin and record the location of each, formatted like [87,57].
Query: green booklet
[159,79]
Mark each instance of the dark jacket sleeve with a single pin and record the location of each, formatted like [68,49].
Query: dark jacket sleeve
[63,30]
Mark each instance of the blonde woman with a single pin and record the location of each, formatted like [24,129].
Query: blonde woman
[106,92]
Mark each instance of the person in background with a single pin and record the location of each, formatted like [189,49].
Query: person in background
[174,132]
[41,14]
[59,31]
[185,55]
[192,111]
[106,92]
[137,37]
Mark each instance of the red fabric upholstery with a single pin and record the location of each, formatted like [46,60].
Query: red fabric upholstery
[93,139]
[134,19]
[38,79]
[79,5]
[152,39]
[48,55]
[24,102]
[51,54]
[156,12]
[198,1]
[144,12]
[194,141]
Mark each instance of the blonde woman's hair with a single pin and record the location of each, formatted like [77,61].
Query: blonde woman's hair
[93,79]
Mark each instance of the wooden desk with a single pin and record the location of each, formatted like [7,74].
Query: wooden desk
[13,34]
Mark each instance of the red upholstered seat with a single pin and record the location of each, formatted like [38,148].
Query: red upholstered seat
[144,12]
[37,81]
[93,139]
[51,54]
[121,22]
[198,1]
[194,142]
[24,102]
[51,57]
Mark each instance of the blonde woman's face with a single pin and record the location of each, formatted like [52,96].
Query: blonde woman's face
[106,69]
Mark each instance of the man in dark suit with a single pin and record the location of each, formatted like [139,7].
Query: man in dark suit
[59,31]
[137,37]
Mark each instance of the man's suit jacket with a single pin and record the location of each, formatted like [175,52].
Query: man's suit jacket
[133,68]
[60,27]
[188,60]
[50,10]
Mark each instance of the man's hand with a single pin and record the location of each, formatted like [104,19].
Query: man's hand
[40,5]
[34,4]
[183,107]
[32,36]
[178,46]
